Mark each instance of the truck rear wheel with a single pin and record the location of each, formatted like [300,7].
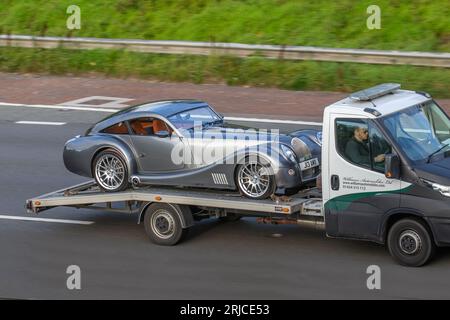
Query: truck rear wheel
[163,225]
[410,243]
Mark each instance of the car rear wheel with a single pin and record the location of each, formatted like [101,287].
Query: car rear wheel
[255,179]
[110,171]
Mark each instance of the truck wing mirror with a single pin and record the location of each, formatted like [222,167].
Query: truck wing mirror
[392,166]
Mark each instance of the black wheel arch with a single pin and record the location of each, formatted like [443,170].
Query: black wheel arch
[184,213]
[125,152]
[398,214]
[243,157]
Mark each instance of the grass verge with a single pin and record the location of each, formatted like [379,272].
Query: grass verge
[421,25]
[253,71]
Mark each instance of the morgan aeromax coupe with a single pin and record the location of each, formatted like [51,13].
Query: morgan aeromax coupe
[186,143]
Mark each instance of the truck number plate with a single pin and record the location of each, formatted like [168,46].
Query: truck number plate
[308,164]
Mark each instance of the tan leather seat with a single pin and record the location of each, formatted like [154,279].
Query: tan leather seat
[119,128]
[159,125]
[138,128]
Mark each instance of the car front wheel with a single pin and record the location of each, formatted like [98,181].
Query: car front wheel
[110,171]
[255,179]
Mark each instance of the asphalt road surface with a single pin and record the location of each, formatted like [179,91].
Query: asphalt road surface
[237,260]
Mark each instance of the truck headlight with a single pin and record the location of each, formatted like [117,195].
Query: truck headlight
[289,153]
[444,190]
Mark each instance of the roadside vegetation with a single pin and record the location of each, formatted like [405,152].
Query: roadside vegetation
[421,25]
[254,71]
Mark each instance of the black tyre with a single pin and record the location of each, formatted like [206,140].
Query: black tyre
[110,171]
[163,225]
[410,243]
[255,178]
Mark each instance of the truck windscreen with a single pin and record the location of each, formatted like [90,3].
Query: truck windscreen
[420,130]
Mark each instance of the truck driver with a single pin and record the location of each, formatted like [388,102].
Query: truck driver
[357,149]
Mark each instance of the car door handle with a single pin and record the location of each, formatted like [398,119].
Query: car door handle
[334,182]
[141,155]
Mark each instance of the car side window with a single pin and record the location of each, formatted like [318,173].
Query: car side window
[360,142]
[148,126]
[118,128]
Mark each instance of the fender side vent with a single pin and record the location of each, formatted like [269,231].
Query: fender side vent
[219,178]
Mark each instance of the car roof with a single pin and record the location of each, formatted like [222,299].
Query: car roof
[165,108]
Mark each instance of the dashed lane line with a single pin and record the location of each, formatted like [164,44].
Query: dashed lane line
[309,123]
[7,217]
[59,107]
[56,107]
[42,123]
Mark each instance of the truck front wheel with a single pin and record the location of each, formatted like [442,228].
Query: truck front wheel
[163,225]
[410,243]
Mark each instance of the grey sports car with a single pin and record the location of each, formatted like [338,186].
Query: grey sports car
[186,143]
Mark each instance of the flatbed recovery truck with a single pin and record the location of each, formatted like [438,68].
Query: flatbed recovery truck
[385,178]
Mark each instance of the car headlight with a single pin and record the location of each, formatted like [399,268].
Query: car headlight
[319,138]
[444,190]
[289,153]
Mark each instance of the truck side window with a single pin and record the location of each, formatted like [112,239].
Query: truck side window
[352,141]
[361,142]
[378,147]
[441,124]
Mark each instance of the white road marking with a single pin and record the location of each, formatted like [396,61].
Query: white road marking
[109,102]
[59,107]
[5,217]
[44,123]
[56,107]
[309,123]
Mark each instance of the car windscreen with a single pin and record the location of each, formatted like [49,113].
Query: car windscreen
[195,117]
[420,130]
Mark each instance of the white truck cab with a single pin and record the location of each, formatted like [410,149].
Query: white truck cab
[386,171]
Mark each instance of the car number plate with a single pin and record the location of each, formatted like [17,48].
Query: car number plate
[308,164]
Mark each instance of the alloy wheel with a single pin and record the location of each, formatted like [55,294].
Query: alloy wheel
[110,172]
[254,179]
